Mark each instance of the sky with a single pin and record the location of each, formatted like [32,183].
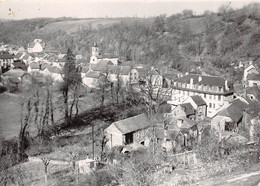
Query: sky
[26,9]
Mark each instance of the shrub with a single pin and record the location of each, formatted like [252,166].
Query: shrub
[2,89]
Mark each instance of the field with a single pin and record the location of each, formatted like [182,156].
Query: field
[72,26]
[10,114]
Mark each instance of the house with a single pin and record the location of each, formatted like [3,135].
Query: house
[54,72]
[14,79]
[177,133]
[33,67]
[131,130]
[251,69]
[214,90]
[253,80]
[6,61]
[184,110]
[91,79]
[170,74]
[199,105]
[36,46]
[19,64]
[229,118]
[253,93]
[250,125]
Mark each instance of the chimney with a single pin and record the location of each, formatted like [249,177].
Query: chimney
[226,85]
[191,82]
[200,78]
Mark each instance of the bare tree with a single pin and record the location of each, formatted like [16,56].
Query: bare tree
[46,162]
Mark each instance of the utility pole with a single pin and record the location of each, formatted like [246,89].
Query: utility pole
[93,153]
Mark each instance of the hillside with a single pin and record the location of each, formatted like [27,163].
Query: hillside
[213,42]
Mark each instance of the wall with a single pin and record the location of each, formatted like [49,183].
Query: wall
[114,136]
[142,135]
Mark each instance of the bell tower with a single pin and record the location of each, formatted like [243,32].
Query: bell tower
[95,50]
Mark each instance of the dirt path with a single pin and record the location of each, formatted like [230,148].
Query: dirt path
[249,177]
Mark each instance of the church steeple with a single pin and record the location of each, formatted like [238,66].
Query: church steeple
[95,50]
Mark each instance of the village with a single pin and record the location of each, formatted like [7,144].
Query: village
[181,106]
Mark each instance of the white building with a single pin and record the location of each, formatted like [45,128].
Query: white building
[97,57]
[213,90]
[36,46]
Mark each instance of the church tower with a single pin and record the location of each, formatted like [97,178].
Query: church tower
[95,50]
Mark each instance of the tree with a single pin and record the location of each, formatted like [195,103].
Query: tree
[158,24]
[71,83]
[187,13]
[46,162]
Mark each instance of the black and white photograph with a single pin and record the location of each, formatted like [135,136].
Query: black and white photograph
[129,92]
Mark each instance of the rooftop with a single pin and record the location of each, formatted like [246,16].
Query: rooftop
[188,108]
[133,124]
[6,56]
[205,80]
[14,73]
[198,100]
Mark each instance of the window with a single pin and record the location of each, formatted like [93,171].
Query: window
[93,59]
[204,95]
[213,105]
[210,105]
[219,97]
[210,96]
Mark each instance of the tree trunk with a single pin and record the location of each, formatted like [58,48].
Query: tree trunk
[66,111]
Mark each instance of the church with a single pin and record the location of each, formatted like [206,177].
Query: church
[97,57]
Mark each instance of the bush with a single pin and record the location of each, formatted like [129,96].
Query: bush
[39,146]
[2,89]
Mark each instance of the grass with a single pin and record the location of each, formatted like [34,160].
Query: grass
[10,114]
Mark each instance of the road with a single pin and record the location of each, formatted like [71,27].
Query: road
[250,177]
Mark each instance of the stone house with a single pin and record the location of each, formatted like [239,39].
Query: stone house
[199,105]
[229,118]
[250,126]
[91,79]
[184,110]
[177,133]
[136,129]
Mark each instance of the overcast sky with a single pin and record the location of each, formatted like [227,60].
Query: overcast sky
[23,9]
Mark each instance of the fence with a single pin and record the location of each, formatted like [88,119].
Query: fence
[186,158]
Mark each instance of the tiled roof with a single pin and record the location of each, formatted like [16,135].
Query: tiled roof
[6,56]
[238,88]
[253,90]
[188,108]
[122,70]
[14,73]
[234,110]
[206,80]
[108,55]
[44,65]
[54,69]
[19,65]
[101,66]
[34,65]
[253,77]
[133,124]
[18,55]
[93,74]
[198,100]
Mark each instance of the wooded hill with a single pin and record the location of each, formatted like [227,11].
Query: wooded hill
[212,43]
